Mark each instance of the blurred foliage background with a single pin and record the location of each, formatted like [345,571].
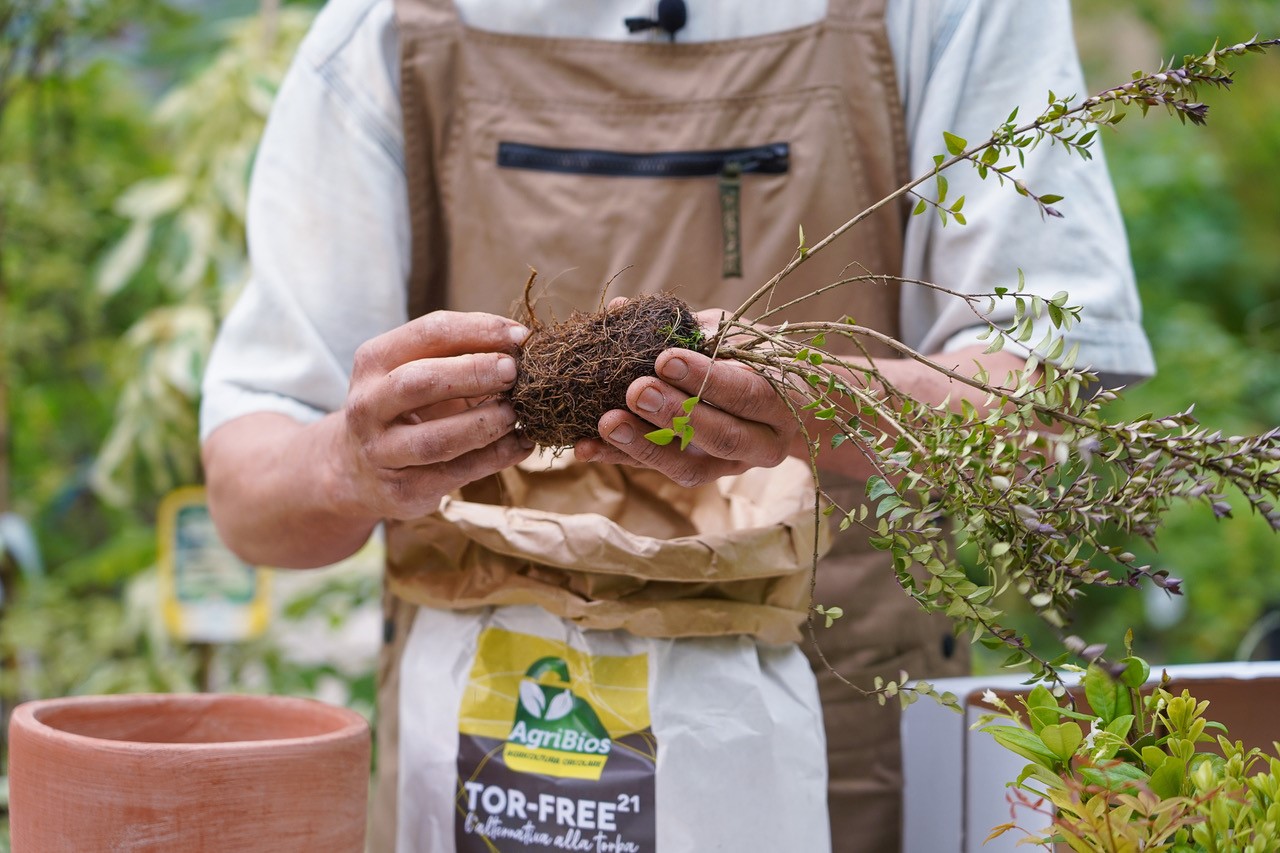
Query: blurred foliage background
[127,130]
[1202,207]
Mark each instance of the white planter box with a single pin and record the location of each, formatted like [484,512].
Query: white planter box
[956,779]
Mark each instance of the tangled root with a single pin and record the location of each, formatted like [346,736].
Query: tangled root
[570,373]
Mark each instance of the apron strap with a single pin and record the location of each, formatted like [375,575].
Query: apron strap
[425,14]
[857,10]
[425,26]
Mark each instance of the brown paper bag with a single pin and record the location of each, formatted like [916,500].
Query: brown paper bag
[617,547]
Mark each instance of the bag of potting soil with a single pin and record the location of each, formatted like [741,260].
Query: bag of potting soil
[622,679]
[521,732]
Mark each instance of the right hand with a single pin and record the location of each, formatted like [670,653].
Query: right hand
[423,416]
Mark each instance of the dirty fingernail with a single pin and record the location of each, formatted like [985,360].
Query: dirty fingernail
[675,369]
[507,369]
[518,334]
[650,400]
[623,434]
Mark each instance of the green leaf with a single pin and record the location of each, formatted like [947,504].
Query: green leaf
[661,436]
[1024,743]
[152,198]
[1107,697]
[1167,779]
[1153,756]
[125,258]
[889,503]
[1136,672]
[1027,329]
[1121,725]
[955,144]
[1042,708]
[1113,777]
[920,208]
[878,487]
[688,404]
[1069,361]
[1062,739]
[1040,717]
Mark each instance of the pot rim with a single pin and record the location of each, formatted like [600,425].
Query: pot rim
[348,724]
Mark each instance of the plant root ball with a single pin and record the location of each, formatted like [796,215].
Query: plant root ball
[571,373]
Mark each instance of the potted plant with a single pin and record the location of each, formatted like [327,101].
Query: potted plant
[1121,764]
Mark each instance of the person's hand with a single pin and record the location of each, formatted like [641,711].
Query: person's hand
[740,422]
[421,418]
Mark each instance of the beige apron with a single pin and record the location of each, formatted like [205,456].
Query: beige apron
[808,126]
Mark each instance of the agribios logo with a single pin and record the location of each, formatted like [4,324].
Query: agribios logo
[555,731]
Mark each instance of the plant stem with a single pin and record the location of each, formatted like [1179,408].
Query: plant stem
[1131,91]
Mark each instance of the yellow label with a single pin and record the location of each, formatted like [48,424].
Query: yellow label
[616,687]
[553,762]
[558,709]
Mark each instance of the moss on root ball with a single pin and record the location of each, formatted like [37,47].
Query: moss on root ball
[570,373]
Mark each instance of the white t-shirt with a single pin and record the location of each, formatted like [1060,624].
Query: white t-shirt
[329,226]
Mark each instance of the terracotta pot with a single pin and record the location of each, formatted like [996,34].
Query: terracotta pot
[189,773]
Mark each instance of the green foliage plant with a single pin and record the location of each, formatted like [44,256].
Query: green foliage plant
[1141,770]
[1040,485]
[79,156]
[190,223]
[72,132]
[1199,208]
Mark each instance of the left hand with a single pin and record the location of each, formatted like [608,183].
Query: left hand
[740,422]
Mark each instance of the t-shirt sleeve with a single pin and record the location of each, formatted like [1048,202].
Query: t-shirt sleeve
[327,228]
[965,64]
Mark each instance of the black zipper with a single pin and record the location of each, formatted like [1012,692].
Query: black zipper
[771,159]
[728,164]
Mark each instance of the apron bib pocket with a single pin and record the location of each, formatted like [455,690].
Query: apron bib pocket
[734,177]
